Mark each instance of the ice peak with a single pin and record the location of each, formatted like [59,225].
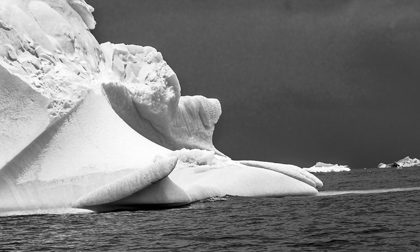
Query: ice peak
[85,12]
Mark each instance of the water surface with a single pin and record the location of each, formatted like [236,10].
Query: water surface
[364,210]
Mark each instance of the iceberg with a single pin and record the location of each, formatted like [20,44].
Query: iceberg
[390,165]
[408,162]
[405,162]
[325,167]
[104,127]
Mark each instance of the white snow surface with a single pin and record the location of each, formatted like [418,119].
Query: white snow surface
[104,127]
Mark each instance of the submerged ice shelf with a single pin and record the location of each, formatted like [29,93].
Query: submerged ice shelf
[104,127]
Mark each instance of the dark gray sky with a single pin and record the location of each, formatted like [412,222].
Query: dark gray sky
[299,81]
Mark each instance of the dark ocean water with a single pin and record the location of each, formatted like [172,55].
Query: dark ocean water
[361,210]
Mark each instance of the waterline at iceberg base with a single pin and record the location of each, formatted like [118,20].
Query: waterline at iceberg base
[104,127]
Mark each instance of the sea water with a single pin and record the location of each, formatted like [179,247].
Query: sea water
[361,210]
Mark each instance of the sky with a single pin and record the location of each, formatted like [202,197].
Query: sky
[299,81]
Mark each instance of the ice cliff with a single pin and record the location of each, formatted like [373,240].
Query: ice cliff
[325,167]
[104,127]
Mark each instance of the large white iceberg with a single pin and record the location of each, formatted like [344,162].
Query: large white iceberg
[325,167]
[104,127]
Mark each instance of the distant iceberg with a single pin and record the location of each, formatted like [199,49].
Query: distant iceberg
[408,162]
[324,167]
[405,162]
[390,165]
